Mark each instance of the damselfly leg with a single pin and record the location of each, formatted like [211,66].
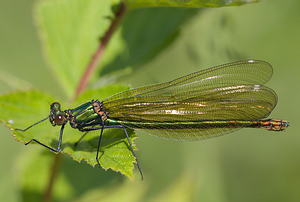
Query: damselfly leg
[127,136]
[59,141]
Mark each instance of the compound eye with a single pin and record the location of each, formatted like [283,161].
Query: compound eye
[60,119]
[55,106]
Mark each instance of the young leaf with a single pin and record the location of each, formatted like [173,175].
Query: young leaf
[24,108]
[186,3]
[71,31]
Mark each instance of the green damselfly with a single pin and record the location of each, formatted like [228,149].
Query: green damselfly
[201,105]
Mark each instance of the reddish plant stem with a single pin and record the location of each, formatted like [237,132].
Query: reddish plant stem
[55,168]
[97,56]
[83,82]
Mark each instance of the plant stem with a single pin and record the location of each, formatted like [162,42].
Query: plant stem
[99,52]
[82,85]
[48,192]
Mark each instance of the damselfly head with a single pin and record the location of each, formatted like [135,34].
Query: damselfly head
[57,117]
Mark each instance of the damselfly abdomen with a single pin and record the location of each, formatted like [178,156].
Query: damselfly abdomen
[201,105]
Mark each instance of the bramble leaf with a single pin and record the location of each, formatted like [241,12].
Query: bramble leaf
[71,31]
[21,109]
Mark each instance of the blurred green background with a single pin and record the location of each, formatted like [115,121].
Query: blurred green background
[248,165]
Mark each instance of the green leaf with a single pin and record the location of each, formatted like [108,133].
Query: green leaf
[24,108]
[142,36]
[186,3]
[70,31]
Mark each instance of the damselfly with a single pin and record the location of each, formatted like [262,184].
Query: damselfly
[201,105]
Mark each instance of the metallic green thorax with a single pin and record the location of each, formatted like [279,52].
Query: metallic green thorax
[87,114]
